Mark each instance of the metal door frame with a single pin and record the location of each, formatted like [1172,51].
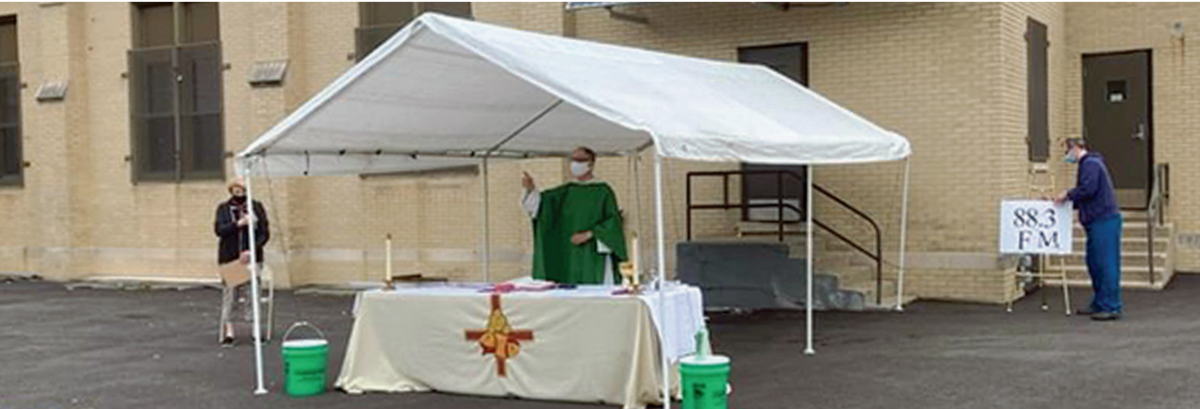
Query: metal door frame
[1149,108]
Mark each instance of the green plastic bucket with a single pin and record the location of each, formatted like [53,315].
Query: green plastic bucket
[705,382]
[304,363]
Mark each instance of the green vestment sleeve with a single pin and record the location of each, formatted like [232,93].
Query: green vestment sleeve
[569,209]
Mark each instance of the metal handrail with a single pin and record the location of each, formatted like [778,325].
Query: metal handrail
[1155,209]
[877,256]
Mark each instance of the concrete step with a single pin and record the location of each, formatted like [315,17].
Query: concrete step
[789,239]
[1128,259]
[1131,276]
[843,259]
[850,273]
[755,275]
[12,276]
[794,235]
[867,287]
[1133,230]
[1135,215]
[888,303]
[795,243]
[143,283]
[768,228]
[1130,244]
[1130,285]
[862,279]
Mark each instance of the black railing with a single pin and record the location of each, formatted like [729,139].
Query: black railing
[780,174]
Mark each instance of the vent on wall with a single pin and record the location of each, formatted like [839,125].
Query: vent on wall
[52,91]
[268,73]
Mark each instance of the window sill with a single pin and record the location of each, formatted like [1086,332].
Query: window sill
[171,180]
[12,183]
[158,182]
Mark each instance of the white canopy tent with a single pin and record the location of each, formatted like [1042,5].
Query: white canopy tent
[446,92]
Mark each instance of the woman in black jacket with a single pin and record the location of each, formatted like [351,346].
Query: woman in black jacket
[232,227]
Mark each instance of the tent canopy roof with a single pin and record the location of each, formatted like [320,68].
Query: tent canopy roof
[444,92]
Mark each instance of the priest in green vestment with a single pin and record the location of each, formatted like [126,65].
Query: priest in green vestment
[577,230]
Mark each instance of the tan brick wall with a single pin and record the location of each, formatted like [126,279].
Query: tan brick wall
[337,229]
[1109,27]
[1012,119]
[545,17]
[951,77]
[19,203]
[436,220]
[931,72]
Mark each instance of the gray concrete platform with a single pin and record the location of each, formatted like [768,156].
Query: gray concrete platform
[85,348]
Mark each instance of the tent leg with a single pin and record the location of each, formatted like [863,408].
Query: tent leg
[487,228]
[808,245]
[635,184]
[903,237]
[254,295]
[660,242]
[270,303]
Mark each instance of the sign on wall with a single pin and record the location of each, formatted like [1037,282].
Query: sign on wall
[1035,227]
[1189,241]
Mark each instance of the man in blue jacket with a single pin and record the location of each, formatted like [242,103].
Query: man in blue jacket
[1093,195]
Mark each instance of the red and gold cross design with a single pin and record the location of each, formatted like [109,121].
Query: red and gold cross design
[499,338]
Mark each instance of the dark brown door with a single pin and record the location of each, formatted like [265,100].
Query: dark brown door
[791,60]
[1116,120]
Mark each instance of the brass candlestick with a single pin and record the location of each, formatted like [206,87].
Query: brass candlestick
[629,278]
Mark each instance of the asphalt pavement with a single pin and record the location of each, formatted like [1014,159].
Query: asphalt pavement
[82,348]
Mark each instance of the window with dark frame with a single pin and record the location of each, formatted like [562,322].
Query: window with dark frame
[1038,91]
[11,162]
[378,21]
[175,87]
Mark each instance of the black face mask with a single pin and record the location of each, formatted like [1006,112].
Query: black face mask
[239,199]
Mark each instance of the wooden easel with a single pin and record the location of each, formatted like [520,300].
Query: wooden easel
[1041,184]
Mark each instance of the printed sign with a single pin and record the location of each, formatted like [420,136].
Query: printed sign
[1035,227]
[1189,241]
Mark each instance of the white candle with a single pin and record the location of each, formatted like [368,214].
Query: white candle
[389,257]
[637,265]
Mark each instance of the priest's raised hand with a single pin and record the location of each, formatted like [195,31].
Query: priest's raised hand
[527,182]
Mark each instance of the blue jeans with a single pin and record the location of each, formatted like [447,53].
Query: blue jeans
[1104,263]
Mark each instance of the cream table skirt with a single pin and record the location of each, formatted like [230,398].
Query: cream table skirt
[581,345]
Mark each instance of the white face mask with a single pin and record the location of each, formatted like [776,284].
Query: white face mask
[580,168]
[1072,157]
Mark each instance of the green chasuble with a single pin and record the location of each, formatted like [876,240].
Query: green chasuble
[568,209]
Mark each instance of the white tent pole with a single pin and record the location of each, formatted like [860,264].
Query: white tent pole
[903,237]
[808,247]
[247,171]
[487,226]
[636,183]
[660,242]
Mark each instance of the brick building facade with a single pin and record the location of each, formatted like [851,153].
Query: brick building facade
[951,77]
